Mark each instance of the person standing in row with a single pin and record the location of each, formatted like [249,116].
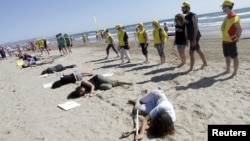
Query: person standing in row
[110,41]
[231,32]
[123,45]
[46,47]
[62,44]
[193,35]
[160,37]
[142,37]
[180,39]
[68,43]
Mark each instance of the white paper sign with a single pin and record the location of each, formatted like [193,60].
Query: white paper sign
[68,105]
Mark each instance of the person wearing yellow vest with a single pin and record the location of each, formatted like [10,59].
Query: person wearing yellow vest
[110,41]
[142,37]
[231,32]
[40,44]
[193,35]
[123,45]
[160,37]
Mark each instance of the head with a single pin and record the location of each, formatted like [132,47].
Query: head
[140,26]
[155,23]
[65,35]
[227,6]
[44,72]
[162,125]
[119,27]
[80,91]
[179,19]
[185,7]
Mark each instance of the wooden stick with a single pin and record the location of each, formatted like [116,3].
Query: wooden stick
[137,122]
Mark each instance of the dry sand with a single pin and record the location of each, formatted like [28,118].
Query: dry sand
[29,112]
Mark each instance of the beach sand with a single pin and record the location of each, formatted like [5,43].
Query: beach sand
[29,112]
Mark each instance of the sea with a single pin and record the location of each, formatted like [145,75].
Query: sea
[208,24]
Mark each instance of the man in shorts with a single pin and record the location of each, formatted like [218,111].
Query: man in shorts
[193,34]
[231,32]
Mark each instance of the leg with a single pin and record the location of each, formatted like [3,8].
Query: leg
[191,53]
[114,49]
[236,65]
[107,50]
[122,54]
[203,58]
[228,62]
[70,66]
[127,55]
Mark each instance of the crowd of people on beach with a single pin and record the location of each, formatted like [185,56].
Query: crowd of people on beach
[158,110]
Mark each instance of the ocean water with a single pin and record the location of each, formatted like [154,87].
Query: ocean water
[208,24]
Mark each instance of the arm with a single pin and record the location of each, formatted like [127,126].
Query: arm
[195,23]
[145,34]
[186,35]
[88,84]
[87,74]
[239,31]
[161,36]
[143,127]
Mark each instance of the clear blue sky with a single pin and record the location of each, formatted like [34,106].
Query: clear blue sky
[25,19]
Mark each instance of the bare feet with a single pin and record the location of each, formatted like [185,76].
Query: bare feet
[226,72]
[128,133]
[203,66]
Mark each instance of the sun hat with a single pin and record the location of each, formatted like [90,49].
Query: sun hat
[227,3]
[140,24]
[185,4]
[118,26]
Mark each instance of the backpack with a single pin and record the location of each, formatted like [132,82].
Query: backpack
[165,35]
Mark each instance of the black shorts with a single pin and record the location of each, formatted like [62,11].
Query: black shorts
[196,47]
[230,49]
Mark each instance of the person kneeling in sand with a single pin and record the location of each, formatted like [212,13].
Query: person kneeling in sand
[57,68]
[159,113]
[70,78]
[89,87]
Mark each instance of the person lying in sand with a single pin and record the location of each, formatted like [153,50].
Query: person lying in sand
[70,78]
[159,112]
[97,82]
[57,68]
[36,63]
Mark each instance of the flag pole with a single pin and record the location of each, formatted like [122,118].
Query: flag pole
[96,23]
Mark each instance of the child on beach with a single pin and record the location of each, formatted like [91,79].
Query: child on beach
[110,41]
[100,82]
[123,45]
[142,37]
[159,113]
[160,37]
[61,44]
[180,39]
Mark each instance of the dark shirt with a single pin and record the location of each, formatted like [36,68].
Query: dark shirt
[190,26]
[66,79]
[180,38]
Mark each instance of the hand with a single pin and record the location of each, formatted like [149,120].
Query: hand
[193,43]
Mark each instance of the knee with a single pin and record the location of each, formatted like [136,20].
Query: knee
[105,86]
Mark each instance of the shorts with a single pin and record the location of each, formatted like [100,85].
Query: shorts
[230,49]
[160,49]
[181,47]
[196,47]
[68,45]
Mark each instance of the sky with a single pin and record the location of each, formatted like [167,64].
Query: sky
[26,19]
